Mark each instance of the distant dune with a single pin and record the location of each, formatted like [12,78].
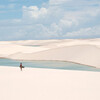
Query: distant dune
[84,54]
[83,51]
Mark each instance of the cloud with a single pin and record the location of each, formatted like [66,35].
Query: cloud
[89,32]
[33,12]
[56,19]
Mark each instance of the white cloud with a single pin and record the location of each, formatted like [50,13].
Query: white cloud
[85,32]
[57,19]
[33,12]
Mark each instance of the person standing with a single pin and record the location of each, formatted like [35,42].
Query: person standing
[21,66]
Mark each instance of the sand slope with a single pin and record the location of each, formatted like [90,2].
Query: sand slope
[48,84]
[7,49]
[84,54]
[83,51]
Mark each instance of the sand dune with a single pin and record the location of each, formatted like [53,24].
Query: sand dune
[83,51]
[84,54]
[48,84]
[7,49]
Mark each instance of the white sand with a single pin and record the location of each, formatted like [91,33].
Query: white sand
[83,51]
[7,49]
[48,84]
[85,54]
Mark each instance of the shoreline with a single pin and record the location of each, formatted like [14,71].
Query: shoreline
[82,52]
[59,68]
[52,60]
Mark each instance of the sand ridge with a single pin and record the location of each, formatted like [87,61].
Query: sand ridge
[83,51]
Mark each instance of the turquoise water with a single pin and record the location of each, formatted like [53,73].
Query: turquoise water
[47,64]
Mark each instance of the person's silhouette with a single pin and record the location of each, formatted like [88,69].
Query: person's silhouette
[21,66]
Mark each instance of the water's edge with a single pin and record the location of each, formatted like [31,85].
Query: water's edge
[64,65]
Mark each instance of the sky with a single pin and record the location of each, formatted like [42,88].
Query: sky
[49,19]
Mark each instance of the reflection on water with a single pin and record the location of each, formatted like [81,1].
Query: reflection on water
[48,64]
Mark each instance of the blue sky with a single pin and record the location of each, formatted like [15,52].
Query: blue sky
[49,19]
[11,9]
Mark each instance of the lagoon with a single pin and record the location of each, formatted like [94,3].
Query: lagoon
[48,64]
